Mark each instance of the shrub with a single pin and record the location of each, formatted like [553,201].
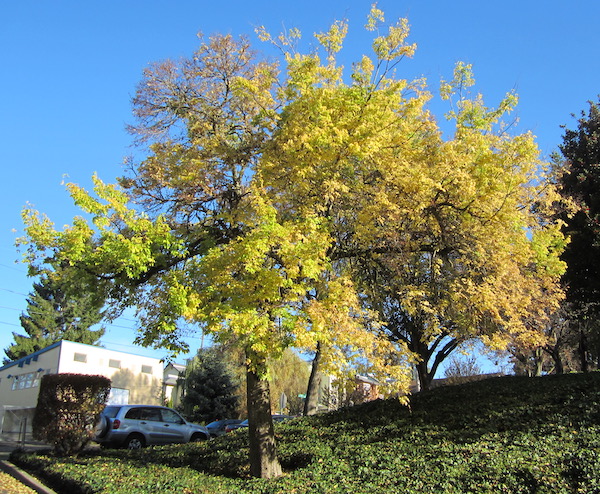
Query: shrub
[68,408]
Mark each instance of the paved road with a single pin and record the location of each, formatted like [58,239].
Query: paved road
[13,480]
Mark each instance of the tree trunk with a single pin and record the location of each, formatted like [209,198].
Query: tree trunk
[314,382]
[583,352]
[559,367]
[538,362]
[263,450]
[425,377]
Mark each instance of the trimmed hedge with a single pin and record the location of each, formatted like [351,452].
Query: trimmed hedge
[68,409]
[512,435]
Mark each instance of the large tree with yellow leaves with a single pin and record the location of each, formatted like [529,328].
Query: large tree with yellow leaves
[265,195]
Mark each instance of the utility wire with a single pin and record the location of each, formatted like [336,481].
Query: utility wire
[12,291]
[13,268]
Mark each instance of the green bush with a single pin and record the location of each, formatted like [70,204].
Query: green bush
[68,409]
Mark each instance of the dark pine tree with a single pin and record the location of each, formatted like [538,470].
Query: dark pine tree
[210,389]
[581,182]
[53,314]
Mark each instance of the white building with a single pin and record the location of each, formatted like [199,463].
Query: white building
[135,379]
[173,387]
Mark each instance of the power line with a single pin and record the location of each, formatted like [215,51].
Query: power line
[10,308]
[12,291]
[10,324]
[13,268]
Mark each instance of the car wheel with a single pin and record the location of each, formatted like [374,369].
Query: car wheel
[196,438]
[102,427]
[135,441]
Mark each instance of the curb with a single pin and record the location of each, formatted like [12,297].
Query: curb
[25,478]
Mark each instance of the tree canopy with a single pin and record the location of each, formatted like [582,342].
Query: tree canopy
[580,182]
[56,311]
[295,205]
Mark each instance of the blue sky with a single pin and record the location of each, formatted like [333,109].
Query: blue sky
[69,69]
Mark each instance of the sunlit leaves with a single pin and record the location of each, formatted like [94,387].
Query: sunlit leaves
[333,40]
[267,193]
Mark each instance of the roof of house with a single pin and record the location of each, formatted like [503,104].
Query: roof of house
[367,379]
[178,367]
[29,358]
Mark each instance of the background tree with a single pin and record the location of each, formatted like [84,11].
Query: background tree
[556,354]
[210,388]
[580,182]
[289,375]
[465,247]
[57,312]
[460,367]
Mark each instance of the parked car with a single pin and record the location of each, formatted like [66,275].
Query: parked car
[281,418]
[234,427]
[136,426]
[241,425]
[217,428]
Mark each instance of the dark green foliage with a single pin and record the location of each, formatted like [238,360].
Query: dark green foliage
[514,435]
[581,182]
[57,313]
[68,409]
[210,390]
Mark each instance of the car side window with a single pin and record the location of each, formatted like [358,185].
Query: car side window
[171,417]
[152,414]
[134,413]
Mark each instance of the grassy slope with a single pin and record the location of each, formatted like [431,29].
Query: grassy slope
[501,435]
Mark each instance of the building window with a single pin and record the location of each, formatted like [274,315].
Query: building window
[80,357]
[29,380]
[147,369]
[118,396]
[24,381]
[114,363]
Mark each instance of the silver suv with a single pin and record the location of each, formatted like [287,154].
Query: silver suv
[136,426]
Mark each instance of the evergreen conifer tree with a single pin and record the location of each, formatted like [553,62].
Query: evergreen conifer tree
[581,182]
[53,314]
[210,390]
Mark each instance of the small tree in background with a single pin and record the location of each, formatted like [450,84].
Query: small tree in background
[460,367]
[289,375]
[68,409]
[210,388]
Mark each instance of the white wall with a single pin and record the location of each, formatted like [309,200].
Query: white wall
[141,376]
[25,376]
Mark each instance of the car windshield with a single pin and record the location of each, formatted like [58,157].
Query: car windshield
[171,416]
[215,424]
